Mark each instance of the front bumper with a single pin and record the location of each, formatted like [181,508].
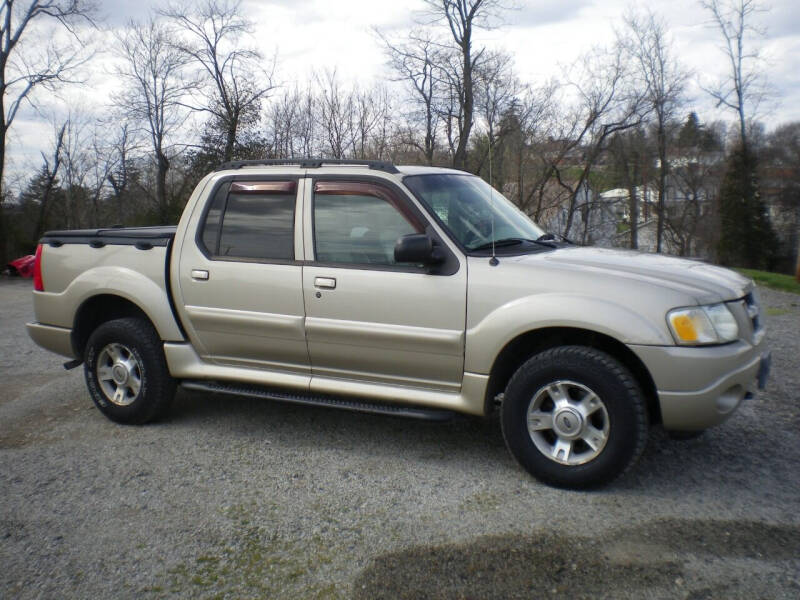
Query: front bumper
[702,386]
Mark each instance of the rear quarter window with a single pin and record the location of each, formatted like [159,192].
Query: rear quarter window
[252,221]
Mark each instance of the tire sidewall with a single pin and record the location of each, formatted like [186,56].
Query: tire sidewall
[622,400]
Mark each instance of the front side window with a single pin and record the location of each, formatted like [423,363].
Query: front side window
[254,220]
[359,223]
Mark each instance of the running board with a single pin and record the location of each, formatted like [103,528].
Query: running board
[252,391]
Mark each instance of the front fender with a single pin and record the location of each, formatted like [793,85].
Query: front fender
[485,339]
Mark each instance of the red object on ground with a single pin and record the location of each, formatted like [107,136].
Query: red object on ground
[23,265]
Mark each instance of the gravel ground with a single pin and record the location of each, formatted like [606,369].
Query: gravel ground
[252,499]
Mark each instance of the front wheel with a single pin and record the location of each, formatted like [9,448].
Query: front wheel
[574,417]
[126,371]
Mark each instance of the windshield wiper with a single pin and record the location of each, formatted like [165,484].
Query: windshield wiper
[502,243]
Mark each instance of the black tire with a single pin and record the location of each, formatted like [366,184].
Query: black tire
[621,417]
[146,374]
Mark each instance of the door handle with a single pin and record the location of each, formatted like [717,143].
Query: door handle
[199,274]
[325,282]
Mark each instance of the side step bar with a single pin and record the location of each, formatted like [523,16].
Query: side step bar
[311,400]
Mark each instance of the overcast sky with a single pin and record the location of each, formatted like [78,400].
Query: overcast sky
[542,36]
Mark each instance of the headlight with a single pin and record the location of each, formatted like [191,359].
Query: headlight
[713,324]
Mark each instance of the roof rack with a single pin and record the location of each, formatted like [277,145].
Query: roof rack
[309,163]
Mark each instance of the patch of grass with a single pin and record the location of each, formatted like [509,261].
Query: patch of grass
[256,562]
[777,312]
[482,502]
[776,281]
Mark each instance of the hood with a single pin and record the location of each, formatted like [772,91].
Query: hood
[706,283]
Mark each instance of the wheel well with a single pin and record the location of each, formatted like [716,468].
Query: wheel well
[98,310]
[521,348]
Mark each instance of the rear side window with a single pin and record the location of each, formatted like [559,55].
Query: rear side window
[253,220]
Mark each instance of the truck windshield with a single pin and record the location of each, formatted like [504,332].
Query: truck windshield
[465,205]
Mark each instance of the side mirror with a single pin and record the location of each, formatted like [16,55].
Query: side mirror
[417,248]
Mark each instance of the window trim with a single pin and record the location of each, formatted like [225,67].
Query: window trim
[230,180]
[363,188]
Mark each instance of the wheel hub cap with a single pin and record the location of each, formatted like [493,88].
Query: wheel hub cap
[119,374]
[568,422]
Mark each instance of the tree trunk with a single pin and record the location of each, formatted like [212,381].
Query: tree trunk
[428,133]
[633,208]
[662,184]
[161,188]
[633,199]
[573,202]
[460,157]
[742,121]
[230,140]
[41,221]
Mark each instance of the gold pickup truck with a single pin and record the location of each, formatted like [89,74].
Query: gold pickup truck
[411,291]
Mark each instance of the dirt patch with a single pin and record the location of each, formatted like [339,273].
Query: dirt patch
[33,425]
[17,385]
[652,560]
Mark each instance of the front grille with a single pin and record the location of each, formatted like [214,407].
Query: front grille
[753,310]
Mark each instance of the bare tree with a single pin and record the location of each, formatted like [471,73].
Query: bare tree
[335,114]
[691,222]
[497,96]
[525,168]
[28,63]
[291,124]
[663,80]
[462,17]
[282,118]
[631,157]
[416,62]
[118,158]
[235,82]
[49,178]
[75,169]
[121,145]
[606,104]
[155,90]
[744,84]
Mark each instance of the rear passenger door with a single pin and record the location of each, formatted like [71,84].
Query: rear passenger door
[241,280]
[370,319]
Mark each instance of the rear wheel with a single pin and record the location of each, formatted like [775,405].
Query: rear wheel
[574,417]
[126,371]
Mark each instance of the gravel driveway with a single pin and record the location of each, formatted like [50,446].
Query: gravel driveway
[252,499]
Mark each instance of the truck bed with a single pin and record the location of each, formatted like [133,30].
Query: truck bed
[129,263]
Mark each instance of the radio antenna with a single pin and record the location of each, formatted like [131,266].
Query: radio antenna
[492,261]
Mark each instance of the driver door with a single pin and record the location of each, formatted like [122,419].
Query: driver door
[369,318]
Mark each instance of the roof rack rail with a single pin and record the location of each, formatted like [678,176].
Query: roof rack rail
[309,163]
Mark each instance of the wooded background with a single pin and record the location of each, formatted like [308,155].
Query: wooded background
[611,152]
